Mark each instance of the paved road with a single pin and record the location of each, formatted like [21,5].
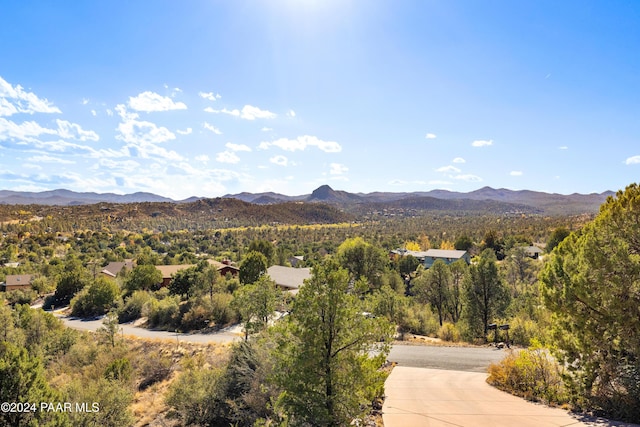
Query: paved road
[224,336]
[446,386]
[420,397]
[473,359]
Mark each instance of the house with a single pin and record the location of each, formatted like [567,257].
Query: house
[14,282]
[113,268]
[419,255]
[168,271]
[289,278]
[225,267]
[532,251]
[446,255]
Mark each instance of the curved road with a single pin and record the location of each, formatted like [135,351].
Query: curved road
[221,337]
[432,386]
[446,387]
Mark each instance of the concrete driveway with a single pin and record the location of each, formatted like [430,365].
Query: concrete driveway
[421,397]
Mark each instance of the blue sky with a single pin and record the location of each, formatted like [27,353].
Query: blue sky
[205,98]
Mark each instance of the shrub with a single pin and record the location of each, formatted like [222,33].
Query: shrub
[419,320]
[132,308]
[532,373]
[163,313]
[448,332]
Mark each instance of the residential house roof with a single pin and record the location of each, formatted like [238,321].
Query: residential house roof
[288,277]
[169,270]
[445,253]
[113,268]
[19,279]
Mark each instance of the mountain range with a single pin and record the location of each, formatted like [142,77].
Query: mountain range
[486,199]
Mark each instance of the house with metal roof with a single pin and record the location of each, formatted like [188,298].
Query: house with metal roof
[446,255]
[289,278]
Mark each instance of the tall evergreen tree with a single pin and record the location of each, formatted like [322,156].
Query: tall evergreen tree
[486,295]
[327,369]
[591,283]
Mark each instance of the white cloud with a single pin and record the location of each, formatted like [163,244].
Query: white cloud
[237,147]
[515,173]
[15,100]
[301,143]
[209,95]
[212,128]
[248,112]
[94,113]
[187,131]
[227,157]
[482,143]
[266,129]
[23,131]
[127,165]
[633,160]
[563,147]
[69,130]
[448,169]
[459,160]
[467,177]
[49,159]
[337,169]
[291,113]
[136,132]
[430,136]
[85,101]
[279,160]
[202,158]
[109,112]
[151,101]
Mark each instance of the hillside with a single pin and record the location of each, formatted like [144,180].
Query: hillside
[203,213]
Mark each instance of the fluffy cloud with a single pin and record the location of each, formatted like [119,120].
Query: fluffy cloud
[212,128]
[448,169]
[482,143]
[248,112]
[430,136]
[291,113]
[143,132]
[227,157]
[515,173]
[301,143]
[151,101]
[467,177]
[26,131]
[69,130]
[49,159]
[23,131]
[266,129]
[202,158]
[459,160]
[209,95]
[633,160]
[142,137]
[279,160]
[15,100]
[187,131]
[237,147]
[337,169]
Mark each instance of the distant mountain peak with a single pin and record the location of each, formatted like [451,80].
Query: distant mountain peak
[324,192]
